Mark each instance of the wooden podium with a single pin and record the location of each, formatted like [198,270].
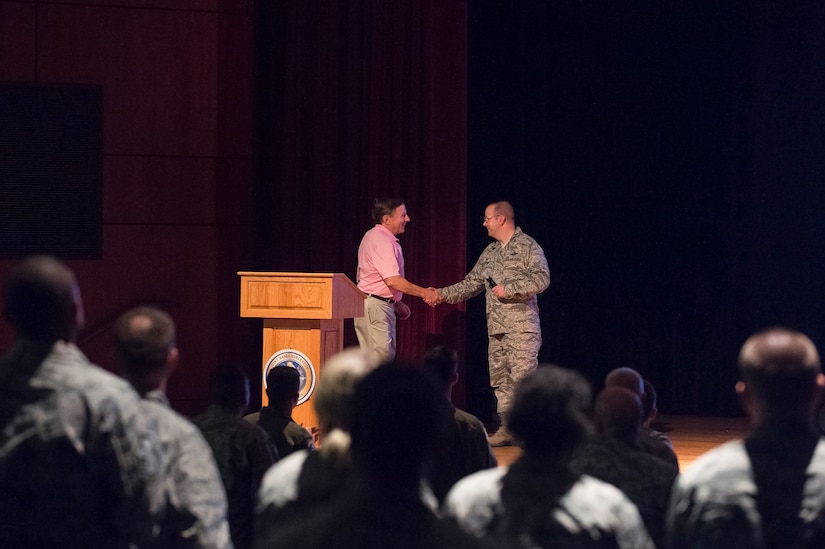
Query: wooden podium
[303,324]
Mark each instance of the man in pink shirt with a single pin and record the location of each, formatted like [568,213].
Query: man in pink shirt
[381,276]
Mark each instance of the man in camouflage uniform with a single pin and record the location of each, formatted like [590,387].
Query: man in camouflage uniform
[463,447]
[511,271]
[80,464]
[766,490]
[196,515]
[243,451]
[283,384]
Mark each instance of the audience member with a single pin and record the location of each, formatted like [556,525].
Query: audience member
[539,501]
[628,378]
[397,411]
[307,480]
[146,355]
[465,448]
[764,491]
[242,450]
[282,386]
[611,454]
[648,440]
[79,462]
[650,412]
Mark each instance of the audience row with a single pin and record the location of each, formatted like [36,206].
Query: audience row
[92,459]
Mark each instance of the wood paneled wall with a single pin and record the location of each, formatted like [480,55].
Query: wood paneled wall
[177,164]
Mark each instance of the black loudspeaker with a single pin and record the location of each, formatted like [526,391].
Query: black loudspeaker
[50,170]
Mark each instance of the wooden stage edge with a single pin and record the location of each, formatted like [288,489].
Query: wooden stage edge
[692,436]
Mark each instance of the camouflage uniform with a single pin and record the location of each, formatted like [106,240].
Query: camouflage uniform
[285,432]
[513,325]
[714,502]
[591,511]
[80,464]
[243,452]
[645,479]
[462,449]
[196,514]
[657,444]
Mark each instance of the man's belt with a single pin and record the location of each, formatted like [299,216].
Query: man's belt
[384,299]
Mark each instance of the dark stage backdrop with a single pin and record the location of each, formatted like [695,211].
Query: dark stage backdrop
[356,100]
[669,158]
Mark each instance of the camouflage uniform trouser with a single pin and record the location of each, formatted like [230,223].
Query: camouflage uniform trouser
[511,357]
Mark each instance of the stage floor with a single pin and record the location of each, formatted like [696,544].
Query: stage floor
[692,436]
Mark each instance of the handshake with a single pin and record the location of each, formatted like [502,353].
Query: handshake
[431,297]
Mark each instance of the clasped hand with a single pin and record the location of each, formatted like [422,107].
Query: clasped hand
[431,297]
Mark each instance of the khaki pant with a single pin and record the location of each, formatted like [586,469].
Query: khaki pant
[376,329]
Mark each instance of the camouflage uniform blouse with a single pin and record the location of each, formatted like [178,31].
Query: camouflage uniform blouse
[79,463]
[196,513]
[243,452]
[592,510]
[714,502]
[521,268]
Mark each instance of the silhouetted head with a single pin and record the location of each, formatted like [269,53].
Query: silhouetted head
[548,414]
[780,374]
[627,378]
[145,347]
[649,398]
[618,413]
[229,389]
[397,420]
[282,385]
[42,300]
[442,362]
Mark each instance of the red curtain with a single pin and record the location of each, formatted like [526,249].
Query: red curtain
[356,100]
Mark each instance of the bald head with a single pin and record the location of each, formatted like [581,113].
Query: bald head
[779,350]
[618,412]
[627,378]
[42,300]
[779,368]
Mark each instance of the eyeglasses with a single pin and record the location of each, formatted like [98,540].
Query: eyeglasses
[488,218]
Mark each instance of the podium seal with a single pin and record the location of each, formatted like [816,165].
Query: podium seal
[298,360]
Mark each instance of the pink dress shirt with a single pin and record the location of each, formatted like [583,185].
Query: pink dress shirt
[379,257]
